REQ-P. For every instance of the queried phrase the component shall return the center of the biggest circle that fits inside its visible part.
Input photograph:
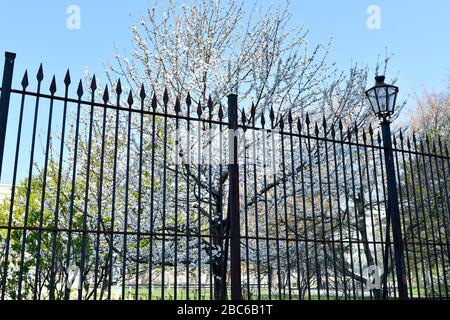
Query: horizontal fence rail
(145, 195)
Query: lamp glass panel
(373, 100)
(381, 94)
(374, 103)
(392, 92)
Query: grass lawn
(181, 294)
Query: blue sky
(416, 32)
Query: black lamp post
(382, 98)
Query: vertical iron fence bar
(387, 241)
(188, 179)
(5, 95)
(266, 208)
(227, 249)
(378, 201)
(286, 221)
(390, 243)
(338, 206)
(210, 219)
(127, 187)
(199, 199)
(402, 215)
(233, 213)
(399, 177)
(13, 188)
(330, 205)
(376, 291)
(256, 200)
(114, 187)
(142, 96)
(393, 208)
(100, 190)
(39, 77)
(328, 183)
(72, 190)
(37, 275)
(275, 200)
(164, 198)
(313, 210)
(177, 159)
(86, 194)
(322, 214)
(294, 201)
(223, 225)
(305, 218)
(342, 136)
(247, 258)
(353, 190)
(67, 82)
(152, 201)
(364, 242)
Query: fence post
(4, 101)
(393, 210)
(233, 201)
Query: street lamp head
(382, 98)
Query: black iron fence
(114, 195)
